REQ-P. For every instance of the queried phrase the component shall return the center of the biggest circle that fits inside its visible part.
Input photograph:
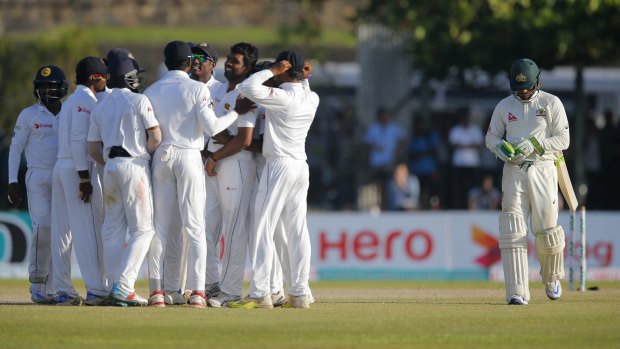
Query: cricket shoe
(222, 299)
(39, 296)
(278, 298)
(517, 300)
(250, 303)
(123, 297)
(174, 298)
(197, 300)
(96, 300)
(212, 290)
(157, 299)
(301, 301)
(554, 290)
(64, 299)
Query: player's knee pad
(550, 251)
(513, 245)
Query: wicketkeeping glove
(504, 151)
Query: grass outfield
(381, 314)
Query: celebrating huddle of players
(169, 175)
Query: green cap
(524, 73)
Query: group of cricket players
(190, 174)
(194, 174)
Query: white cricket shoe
(251, 303)
(123, 297)
(517, 300)
(301, 301)
(554, 290)
(174, 298)
(278, 299)
(197, 300)
(157, 299)
(222, 299)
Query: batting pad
(513, 244)
(550, 251)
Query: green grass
(156, 35)
(382, 314)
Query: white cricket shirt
(73, 124)
(543, 117)
(35, 134)
(290, 110)
(121, 119)
(224, 103)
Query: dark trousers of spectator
(463, 179)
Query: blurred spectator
(422, 151)
(486, 196)
(465, 140)
(403, 190)
(610, 161)
(385, 139)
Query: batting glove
(528, 146)
(504, 151)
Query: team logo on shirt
(511, 117)
(149, 109)
(227, 106)
(37, 126)
(541, 112)
(82, 110)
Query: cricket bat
(566, 187)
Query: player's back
(174, 98)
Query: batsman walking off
(536, 131)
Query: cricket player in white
(536, 131)
(229, 182)
(184, 111)
(204, 60)
(119, 122)
(36, 134)
(283, 187)
(76, 193)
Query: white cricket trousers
(228, 201)
(178, 184)
(532, 193)
(76, 223)
(128, 204)
(282, 194)
(39, 190)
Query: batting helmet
(50, 74)
(524, 74)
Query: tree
(447, 35)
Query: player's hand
(244, 105)
(210, 166)
(280, 67)
(86, 189)
(306, 71)
(15, 194)
(528, 146)
(222, 137)
(504, 151)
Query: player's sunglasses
(202, 58)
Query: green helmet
(524, 74)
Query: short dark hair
(249, 53)
(177, 65)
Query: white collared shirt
(36, 135)
(73, 124)
(225, 103)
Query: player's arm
(236, 144)
(21, 132)
(270, 97)
(94, 144)
(210, 123)
(560, 134)
(154, 138)
(496, 131)
(80, 122)
(95, 150)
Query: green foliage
(21, 57)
